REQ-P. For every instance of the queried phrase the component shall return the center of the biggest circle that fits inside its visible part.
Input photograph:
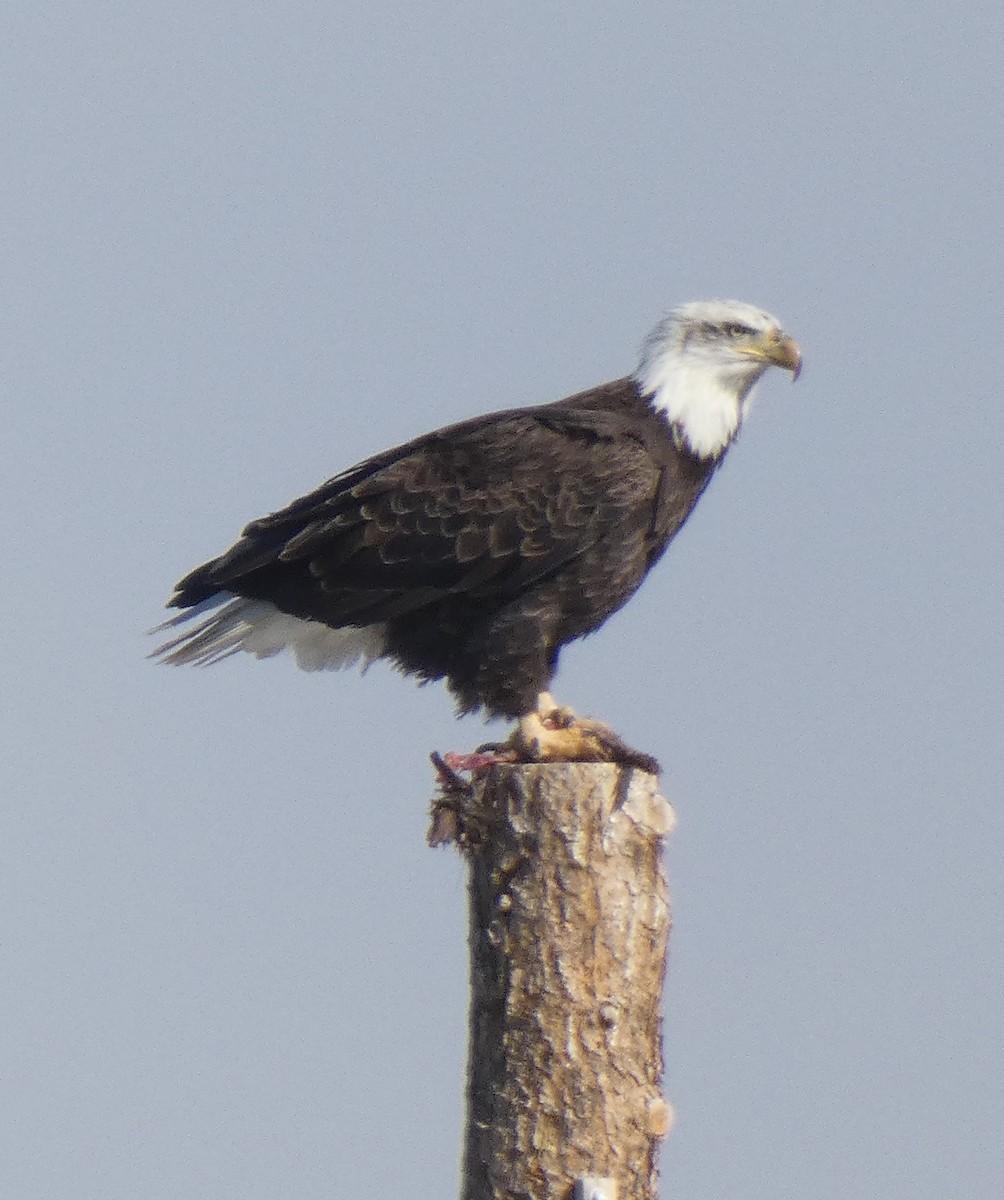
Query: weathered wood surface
(569, 929)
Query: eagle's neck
(703, 401)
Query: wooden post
(569, 928)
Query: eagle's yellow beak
(779, 350)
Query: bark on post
(569, 928)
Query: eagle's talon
(555, 734)
(553, 715)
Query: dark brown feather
(484, 546)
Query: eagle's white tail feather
(234, 624)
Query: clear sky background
(245, 246)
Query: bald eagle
(473, 554)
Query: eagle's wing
(487, 508)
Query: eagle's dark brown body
(482, 548)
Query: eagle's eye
(734, 329)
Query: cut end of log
(462, 811)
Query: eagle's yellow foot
(555, 734)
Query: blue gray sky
(245, 248)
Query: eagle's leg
(552, 733)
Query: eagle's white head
(700, 364)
